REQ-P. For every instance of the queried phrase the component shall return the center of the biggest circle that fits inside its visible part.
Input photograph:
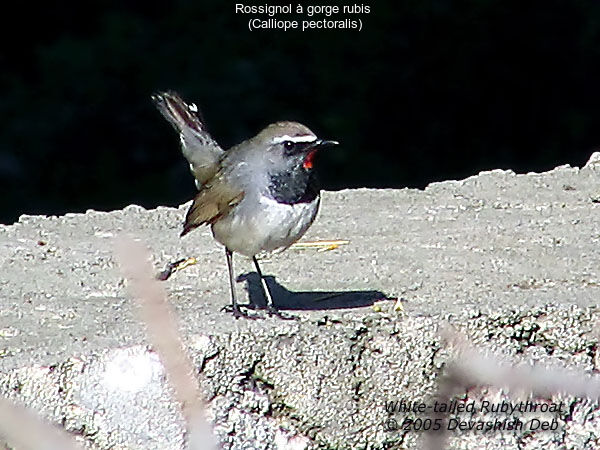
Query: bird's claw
(272, 311)
(238, 313)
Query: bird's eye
(288, 145)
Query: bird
(258, 197)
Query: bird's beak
(308, 161)
(322, 143)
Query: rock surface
(513, 261)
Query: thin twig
(23, 429)
(164, 335)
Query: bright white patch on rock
(129, 372)
(103, 234)
(192, 107)
(284, 440)
(594, 160)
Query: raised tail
(181, 115)
(199, 148)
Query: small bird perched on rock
(259, 196)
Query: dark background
(428, 90)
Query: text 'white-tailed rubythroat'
(259, 196)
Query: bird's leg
(271, 309)
(237, 312)
(270, 304)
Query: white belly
(272, 226)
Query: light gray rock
(510, 260)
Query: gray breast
(264, 225)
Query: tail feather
(181, 115)
(199, 148)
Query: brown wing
(214, 200)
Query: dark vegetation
(428, 90)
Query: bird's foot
(272, 311)
(238, 313)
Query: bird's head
(290, 145)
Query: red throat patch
(308, 161)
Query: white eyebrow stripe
(305, 138)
